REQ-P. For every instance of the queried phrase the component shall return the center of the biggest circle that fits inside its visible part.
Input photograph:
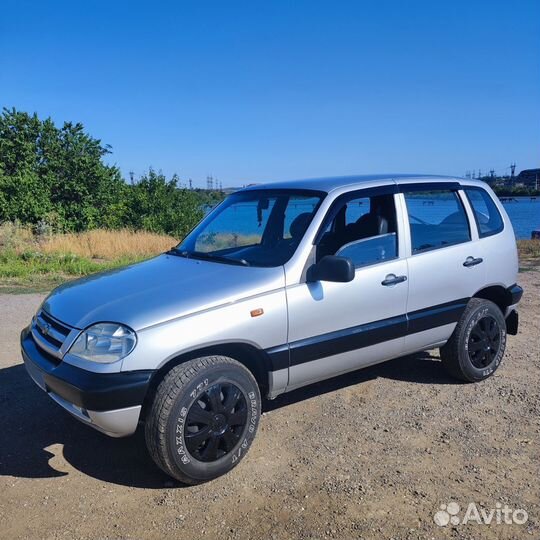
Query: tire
(203, 418)
(476, 348)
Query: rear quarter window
(488, 218)
(437, 219)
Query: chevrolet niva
(280, 286)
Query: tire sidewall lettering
(179, 436)
(179, 431)
(182, 455)
(480, 314)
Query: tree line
(55, 178)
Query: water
(524, 214)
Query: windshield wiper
(207, 257)
(177, 252)
(218, 258)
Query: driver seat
(372, 224)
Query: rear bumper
(514, 294)
(109, 402)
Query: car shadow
(31, 423)
(420, 368)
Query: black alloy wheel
(484, 342)
(215, 422)
(203, 418)
(476, 347)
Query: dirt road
(368, 455)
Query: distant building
(529, 178)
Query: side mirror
(331, 268)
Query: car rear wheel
(476, 348)
(203, 418)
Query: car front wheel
(203, 418)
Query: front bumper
(109, 402)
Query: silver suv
(280, 286)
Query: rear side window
(487, 215)
(437, 219)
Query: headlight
(104, 343)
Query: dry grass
(529, 250)
(29, 261)
(16, 237)
(40, 262)
(98, 244)
(108, 245)
(112, 245)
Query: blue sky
(250, 91)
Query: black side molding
(365, 335)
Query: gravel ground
(372, 454)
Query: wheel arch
(254, 359)
(496, 294)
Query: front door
(339, 327)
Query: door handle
(471, 261)
(392, 279)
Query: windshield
(253, 228)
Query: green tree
(23, 197)
(157, 204)
(56, 174)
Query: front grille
(49, 333)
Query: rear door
(338, 327)
(445, 265)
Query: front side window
(370, 250)
(361, 228)
(253, 228)
(487, 215)
(437, 219)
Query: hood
(157, 290)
